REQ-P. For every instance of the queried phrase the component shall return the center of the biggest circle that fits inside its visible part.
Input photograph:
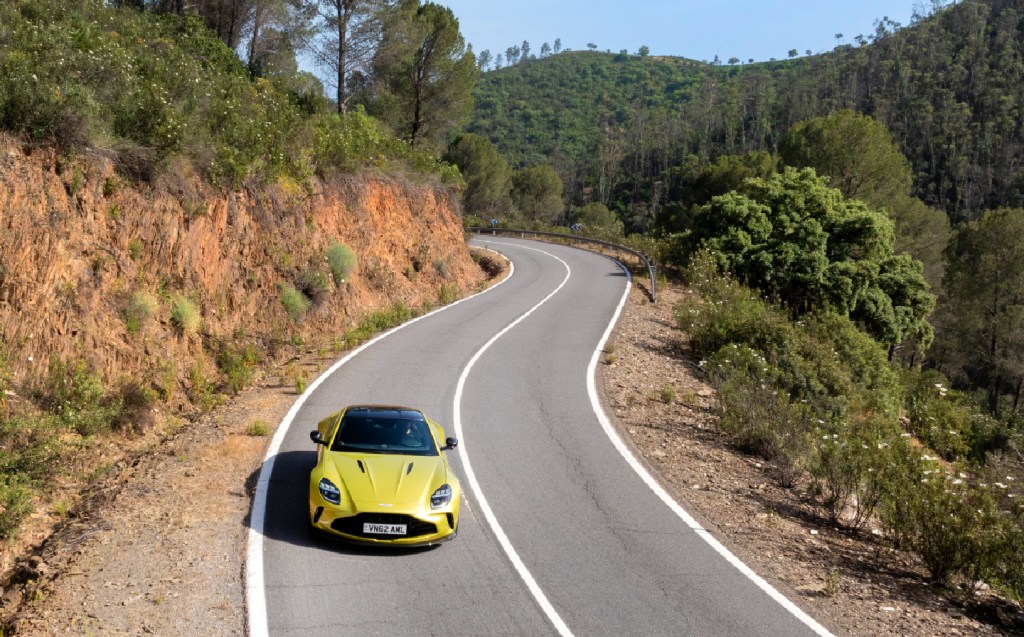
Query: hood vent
(409, 470)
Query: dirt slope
(80, 242)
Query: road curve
(559, 533)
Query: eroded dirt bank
(81, 247)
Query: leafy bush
(15, 503)
(447, 293)
(822, 359)
(793, 237)
(760, 418)
(78, 398)
(257, 428)
(342, 261)
(141, 306)
(948, 421)
(31, 445)
(295, 303)
(377, 322)
(856, 467)
(185, 314)
(238, 363)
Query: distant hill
(950, 87)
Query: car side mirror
(315, 437)
(450, 443)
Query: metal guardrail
(572, 237)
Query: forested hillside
(623, 130)
(851, 227)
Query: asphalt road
(603, 554)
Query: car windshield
(371, 433)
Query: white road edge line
(492, 520)
(658, 490)
(255, 593)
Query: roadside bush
(855, 468)
(295, 302)
(447, 293)
(342, 262)
(15, 503)
(821, 359)
(78, 398)
(238, 364)
(137, 398)
(1005, 553)
(758, 416)
(185, 315)
(29, 445)
(948, 421)
(379, 321)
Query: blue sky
(745, 29)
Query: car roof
(386, 411)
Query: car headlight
(330, 492)
(441, 497)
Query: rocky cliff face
(78, 242)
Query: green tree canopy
(424, 75)
(488, 176)
(794, 237)
(596, 216)
(982, 323)
(854, 151)
(537, 193)
(922, 232)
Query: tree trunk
(1016, 399)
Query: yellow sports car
(381, 478)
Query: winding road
(562, 532)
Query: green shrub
(342, 262)
(78, 398)
(946, 526)
(135, 249)
(447, 293)
(760, 418)
(855, 467)
(185, 314)
(15, 504)
(257, 428)
(948, 421)
(200, 390)
(667, 394)
(300, 383)
(377, 322)
(295, 303)
(238, 363)
(141, 306)
(31, 445)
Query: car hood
(389, 479)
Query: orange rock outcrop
(77, 241)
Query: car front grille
(354, 525)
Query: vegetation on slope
(624, 130)
(147, 86)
